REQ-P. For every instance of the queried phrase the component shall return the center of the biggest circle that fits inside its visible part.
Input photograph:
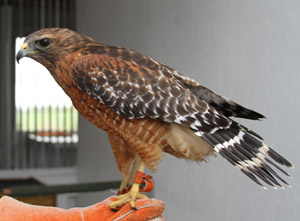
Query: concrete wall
(247, 50)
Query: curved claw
(129, 197)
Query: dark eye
(44, 42)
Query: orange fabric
(139, 177)
(146, 184)
(146, 209)
(142, 178)
(124, 190)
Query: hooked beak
(22, 52)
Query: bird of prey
(148, 108)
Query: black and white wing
(136, 86)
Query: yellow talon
(129, 197)
(132, 195)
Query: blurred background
(248, 51)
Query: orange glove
(146, 209)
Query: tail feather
(247, 153)
(251, 176)
(239, 126)
(278, 167)
(278, 158)
(267, 150)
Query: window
(46, 122)
(38, 125)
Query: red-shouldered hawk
(148, 108)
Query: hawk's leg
(124, 183)
(124, 157)
(132, 195)
(129, 175)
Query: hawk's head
(46, 46)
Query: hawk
(148, 108)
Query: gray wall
(247, 50)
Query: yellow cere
(24, 46)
